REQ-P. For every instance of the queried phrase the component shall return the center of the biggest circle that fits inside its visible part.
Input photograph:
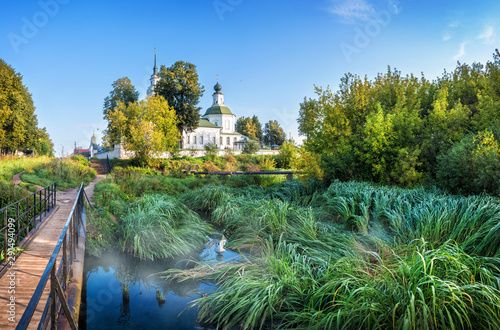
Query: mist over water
(103, 306)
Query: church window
(201, 139)
(220, 140)
(228, 140)
(194, 139)
(214, 139)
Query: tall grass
(66, 173)
(10, 165)
(355, 256)
(159, 226)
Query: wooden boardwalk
(30, 265)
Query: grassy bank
(67, 173)
(10, 166)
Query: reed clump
(159, 226)
(352, 256)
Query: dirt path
(17, 180)
(89, 190)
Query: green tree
(179, 85)
(311, 116)
(471, 166)
(43, 145)
(258, 128)
(274, 134)
(488, 116)
(250, 127)
(147, 127)
(18, 122)
(124, 92)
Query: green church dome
(218, 110)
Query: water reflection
(106, 278)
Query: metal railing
(108, 165)
(21, 219)
(58, 274)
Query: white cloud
(447, 36)
(461, 52)
(488, 35)
(350, 11)
(454, 24)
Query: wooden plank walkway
(31, 264)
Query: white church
(216, 126)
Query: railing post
(5, 236)
(65, 260)
(53, 311)
(40, 207)
(45, 204)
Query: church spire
(154, 79)
(156, 68)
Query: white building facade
(216, 126)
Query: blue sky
(268, 54)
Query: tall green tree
(180, 86)
(124, 92)
(146, 127)
(258, 128)
(18, 122)
(273, 134)
(250, 127)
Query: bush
(471, 166)
(287, 155)
(211, 149)
(80, 159)
(250, 148)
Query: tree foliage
(124, 92)
(179, 85)
(250, 127)
(399, 129)
(273, 134)
(18, 122)
(146, 127)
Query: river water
(102, 297)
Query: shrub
(250, 148)
(471, 166)
(211, 149)
(287, 155)
(81, 159)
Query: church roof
(217, 110)
(205, 123)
